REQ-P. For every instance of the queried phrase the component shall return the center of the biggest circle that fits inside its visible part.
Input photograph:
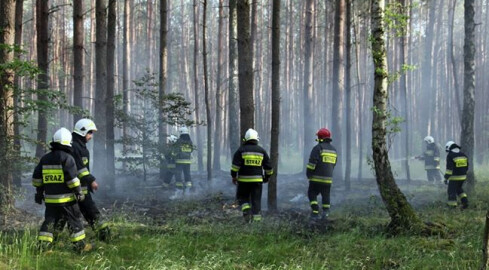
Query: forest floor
(205, 230)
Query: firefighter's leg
(312, 194)
(462, 195)
(325, 195)
(46, 233)
(188, 179)
(243, 197)
(72, 214)
(437, 176)
(256, 192)
(429, 174)
(452, 194)
(178, 177)
(94, 218)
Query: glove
(235, 181)
(266, 178)
(38, 198)
(80, 197)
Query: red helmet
(324, 133)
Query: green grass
(355, 240)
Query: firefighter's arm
(237, 163)
(313, 161)
(450, 165)
(82, 170)
(73, 182)
(37, 182)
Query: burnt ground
(215, 199)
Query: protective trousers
(92, 215)
(55, 218)
(455, 189)
(185, 169)
(314, 190)
(433, 175)
(249, 198)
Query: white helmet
(449, 145)
(83, 126)
(183, 130)
(171, 139)
(429, 139)
(251, 134)
(63, 137)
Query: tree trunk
(467, 134)
(162, 80)
(274, 140)
(78, 53)
(111, 24)
(17, 174)
(245, 64)
(126, 55)
(196, 86)
(404, 96)
(308, 74)
(42, 19)
(349, 129)
(206, 93)
(99, 147)
(338, 83)
(233, 116)
(7, 37)
(403, 217)
(485, 244)
(219, 106)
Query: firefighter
(320, 173)
(170, 156)
(431, 157)
(82, 134)
(249, 162)
(455, 174)
(184, 149)
(57, 184)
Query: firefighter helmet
(251, 134)
(172, 139)
(63, 137)
(323, 133)
(183, 130)
(450, 145)
(83, 126)
(429, 139)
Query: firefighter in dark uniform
(83, 133)
(170, 156)
(249, 162)
(56, 182)
(320, 173)
(431, 157)
(455, 174)
(183, 160)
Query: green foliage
(396, 18)
(144, 120)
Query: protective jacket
(321, 163)
(431, 157)
(457, 166)
(171, 155)
(184, 148)
(82, 159)
(56, 176)
(249, 161)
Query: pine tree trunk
(7, 37)
(245, 65)
(42, 18)
(110, 136)
(404, 97)
(78, 53)
(17, 174)
(219, 92)
(162, 80)
(403, 217)
(275, 130)
(233, 116)
(99, 147)
(349, 129)
(126, 55)
(196, 86)
(485, 244)
(467, 134)
(206, 93)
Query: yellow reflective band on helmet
(311, 166)
(75, 182)
(45, 236)
(319, 179)
(460, 162)
(328, 157)
(59, 198)
(36, 182)
(457, 177)
(314, 202)
(235, 168)
(78, 236)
